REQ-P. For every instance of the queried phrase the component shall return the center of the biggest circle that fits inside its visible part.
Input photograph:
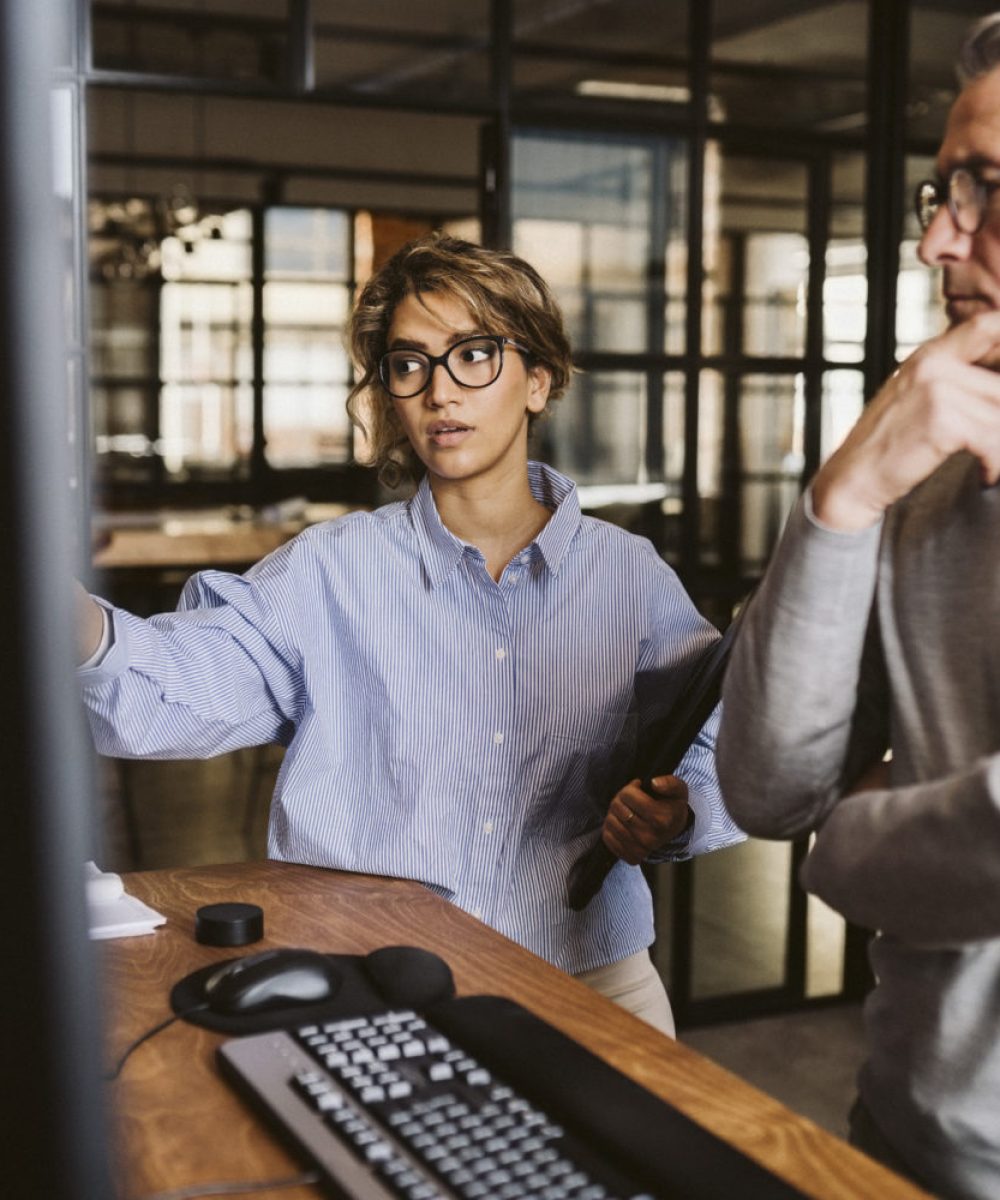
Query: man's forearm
(791, 688)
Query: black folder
(681, 726)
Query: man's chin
(960, 310)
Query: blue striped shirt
(440, 726)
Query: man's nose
(943, 241)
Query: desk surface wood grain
(176, 1123)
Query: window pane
(845, 290)
(845, 300)
(306, 425)
(673, 430)
(204, 426)
(307, 374)
(597, 432)
(206, 406)
(206, 364)
(121, 321)
(122, 418)
(710, 431)
(584, 216)
(740, 919)
(826, 933)
(791, 65)
(756, 256)
(750, 464)
(771, 432)
(777, 268)
(843, 400)
(919, 303)
(309, 243)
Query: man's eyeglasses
(474, 362)
(964, 191)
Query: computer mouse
(409, 976)
(271, 979)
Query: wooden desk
(176, 1123)
(203, 539)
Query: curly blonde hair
(503, 293)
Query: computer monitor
(53, 1140)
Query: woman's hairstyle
(504, 295)
(980, 51)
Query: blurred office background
(719, 191)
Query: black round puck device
(229, 924)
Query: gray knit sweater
(810, 700)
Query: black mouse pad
(355, 997)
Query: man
(877, 627)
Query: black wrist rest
(638, 1132)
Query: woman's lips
(448, 433)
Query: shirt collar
(441, 551)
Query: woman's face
(461, 433)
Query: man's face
(971, 261)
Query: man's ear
(539, 384)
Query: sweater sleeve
(797, 705)
(917, 862)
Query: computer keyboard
(396, 1104)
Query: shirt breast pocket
(587, 758)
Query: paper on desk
(112, 912)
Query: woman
(461, 679)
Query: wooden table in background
(176, 1122)
(202, 539)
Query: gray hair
(980, 51)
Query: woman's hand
(638, 824)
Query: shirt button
(488, 827)
(501, 653)
(498, 738)
(477, 913)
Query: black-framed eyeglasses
(474, 362)
(966, 194)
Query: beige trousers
(634, 984)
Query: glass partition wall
(718, 190)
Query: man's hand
(940, 401)
(637, 823)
